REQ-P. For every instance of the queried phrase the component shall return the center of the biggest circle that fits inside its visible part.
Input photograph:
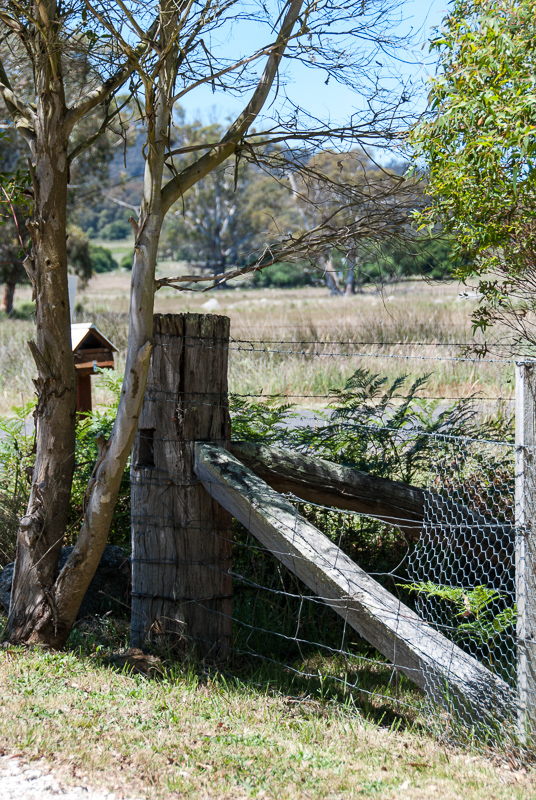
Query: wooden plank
(431, 660)
(329, 484)
(525, 554)
(480, 543)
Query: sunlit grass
(189, 733)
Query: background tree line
(217, 226)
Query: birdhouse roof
(86, 335)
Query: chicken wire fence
(461, 571)
(458, 575)
(453, 601)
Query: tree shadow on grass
(312, 681)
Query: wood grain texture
(181, 538)
(329, 484)
(431, 660)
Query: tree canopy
(478, 146)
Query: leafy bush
(23, 310)
(432, 258)
(118, 229)
(379, 427)
(383, 428)
(127, 260)
(17, 456)
(372, 425)
(92, 429)
(16, 462)
(102, 259)
(284, 275)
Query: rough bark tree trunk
(181, 538)
(9, 295)
(33, 614)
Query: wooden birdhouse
(91, 351)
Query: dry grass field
(347, 332)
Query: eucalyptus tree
(159, 53)
(478, 146)
(350, 192)
(217, 227)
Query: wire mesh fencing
(457, 575)
(411, 620)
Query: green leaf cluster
(478, 143)
(482, 624)
(373, 424)
(17, 456)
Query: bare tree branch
(21, 114)
(121, 203)
(191, 174)
(98, 95)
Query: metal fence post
(525, 559)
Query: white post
(525, 489)
(72, 281)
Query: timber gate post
(181, 537)
(525, 490)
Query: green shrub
(102, 259)
(284, 275)
(17, 458)
(379, 427)
(430, 257)
(16, 461)
(91, 428)
(23, 310)
(127, 261)
(118, 229)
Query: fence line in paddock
(459, 593)
(250, 346)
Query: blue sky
(306, 87)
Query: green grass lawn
(184, 733)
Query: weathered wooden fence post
(526, 545)
(181, 537)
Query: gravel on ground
(20, 781)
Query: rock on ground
(109, 589)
